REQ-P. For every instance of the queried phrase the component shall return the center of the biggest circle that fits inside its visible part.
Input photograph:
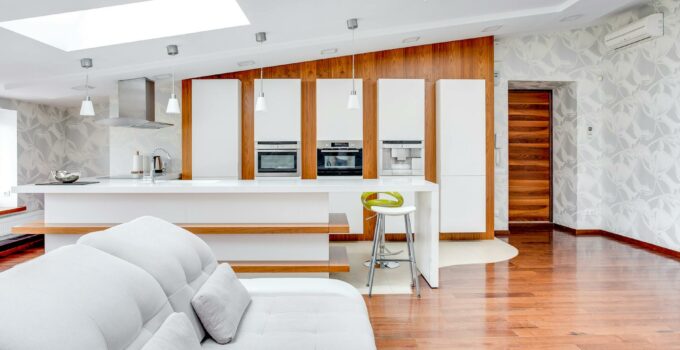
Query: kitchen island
(215, 203)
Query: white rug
(397, 281)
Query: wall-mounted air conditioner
(646, 28)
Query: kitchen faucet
(152, 173)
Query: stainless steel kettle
(158, 164)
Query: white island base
(249, 202)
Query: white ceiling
(297, 30)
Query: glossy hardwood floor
(561, 292)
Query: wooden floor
(561, 292)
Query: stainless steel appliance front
(401, 158)
(277, 158)
(339, 158)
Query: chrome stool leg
(370, 263)
(412, 253)
(374, 257)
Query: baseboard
(502, 232)
(620, 238)
(529, 226)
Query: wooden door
(530, 156)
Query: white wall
(8, 157)
(627, 177)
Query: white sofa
(114, 288)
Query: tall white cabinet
(334, 122)
(216, 128)
(461, 154)
(401, 117)
(283, 117)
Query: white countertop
(400, 184)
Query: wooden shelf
(338, 262)
(337, 223)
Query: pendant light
(353, 100)
(173, 102)
(261, 103)
(86, 107)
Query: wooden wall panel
(466, 59)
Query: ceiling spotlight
(571, 18)
(246, 63)
(492, 28)
(329, 51)
(412, 39)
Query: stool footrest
(389, 260)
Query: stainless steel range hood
(136, 105)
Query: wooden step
(338, 262)
(337, 223)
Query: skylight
(78, 30)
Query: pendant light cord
(261, 69)
(87, 83)
(354, 88)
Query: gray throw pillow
(220, 304)
(176, 333)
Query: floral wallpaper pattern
(626, 167)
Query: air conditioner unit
(646, 28)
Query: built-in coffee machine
(401, 158)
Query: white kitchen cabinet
(350, 204)
(401, 109)
(461, 127)
(282, 119)
(216, 128)
(462, 203)
(461, 154)
(333, 120)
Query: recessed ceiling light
(492, 28)
(83, 87)
(162, 76)
(329, 51)
(104, 26)
(412, 39)
(571, 18)
(246, 63)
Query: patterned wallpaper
(626, 169)
(41, 145)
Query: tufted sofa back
(79, 298)
(176, 258)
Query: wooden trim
(338, 223)
(186, 130)
(530, 226)
(338, 262)
(502, 232)
(12, 210)
(462, 236)
(621, 238)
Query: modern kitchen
(304, 175)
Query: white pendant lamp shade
(353, 100)
(260, 103)
(173, 105)
(86, 108)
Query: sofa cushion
(220, 304)
(79, 298)
(176, 333)
(176, 258)
(301, 314)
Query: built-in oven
(277, 158)
(339, 158)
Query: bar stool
(378, 239)
(397, 200)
